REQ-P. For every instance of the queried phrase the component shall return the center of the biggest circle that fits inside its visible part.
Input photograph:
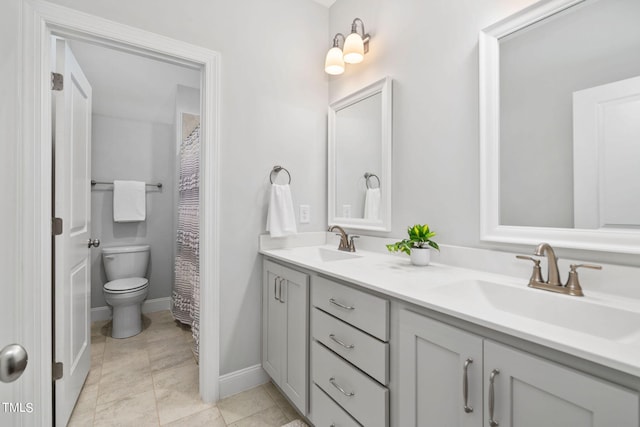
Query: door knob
(94, 242)
(13, 362)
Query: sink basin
(316, 254)
(575, 313)
(326, 255)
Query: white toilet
(127, 287)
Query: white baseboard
(151, 305)
(244, 379)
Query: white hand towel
(129, 201)
(281, 221)
(372, 203)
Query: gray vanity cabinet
(532, 392)
(524, 390)
(285, 331)
(349, 356)
(432, 372)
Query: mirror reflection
(359, 160)
(570, 119)
(358, 148)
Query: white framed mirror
(560, 126)
(359, 158)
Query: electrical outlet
(305, 214)
(346, 211)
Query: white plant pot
(420, 256)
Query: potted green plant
(418, 245)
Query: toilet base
(127, 321)
(127, 312)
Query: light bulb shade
(334, 63)
(353, 49)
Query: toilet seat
(122, 286)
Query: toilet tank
(121, 262)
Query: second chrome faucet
(553, 282)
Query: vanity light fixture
(334, 63)
(356, 45)
(354, 48)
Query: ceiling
(131, 86)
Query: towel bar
(94, 182)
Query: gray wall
(142, 151)
(430, 49)
(273, 111)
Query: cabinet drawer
(364, 351)
(369, 402)
(358, 308)
(326, 412)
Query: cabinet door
(272, 321)
(295, 294)
(533, 392)
(432, 371)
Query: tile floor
(152, 380)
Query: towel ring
(368, 176)
(276, 170)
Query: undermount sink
(575, 313)
(326, 255)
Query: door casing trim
(40, 20)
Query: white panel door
(437, 362)
(72, 150)
(532, 392)
(606, 122)
(9, 416)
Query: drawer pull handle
(275, 288)
(347, 346)
(492, 396)
(346, 307)
(282, 279)
(465, 385)
(346, 393)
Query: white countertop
(394, 276)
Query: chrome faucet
(346, 243)
(553, 283)
(553, 277)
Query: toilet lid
(126, 285)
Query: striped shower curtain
(186, 292)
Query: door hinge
(56, 226)
(57, 370)
(57, 81)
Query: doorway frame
(41, 20)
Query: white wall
(142, 151)
(273, 111)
